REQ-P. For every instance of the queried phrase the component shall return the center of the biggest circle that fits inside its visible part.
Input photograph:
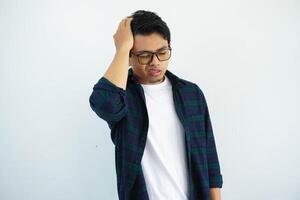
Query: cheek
(140, 70)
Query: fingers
(128, 21)
(125, 22)
(121, 24)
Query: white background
(244, 55)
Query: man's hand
(123, 37)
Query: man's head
(151, 34)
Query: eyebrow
(145, 51)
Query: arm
(214, 174)
(108, 97)
(118, 69)
(108, 101)
(215, 177)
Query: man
(160, 125)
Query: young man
(160, 125)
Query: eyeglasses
(146, 57)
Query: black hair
(147, 22)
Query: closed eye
(145, 55)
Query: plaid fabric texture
(125, 112)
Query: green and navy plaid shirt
(125, 112)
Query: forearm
(215, 193)
(118, 69)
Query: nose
(155, 60)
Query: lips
(154, 72)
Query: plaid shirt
(125, 112)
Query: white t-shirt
(164, 160)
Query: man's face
(148, 73)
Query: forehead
(151, 42)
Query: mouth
(154, 72)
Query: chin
(159, 79)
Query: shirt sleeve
(108, 101)
(215, 176)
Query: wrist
(122, 50)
